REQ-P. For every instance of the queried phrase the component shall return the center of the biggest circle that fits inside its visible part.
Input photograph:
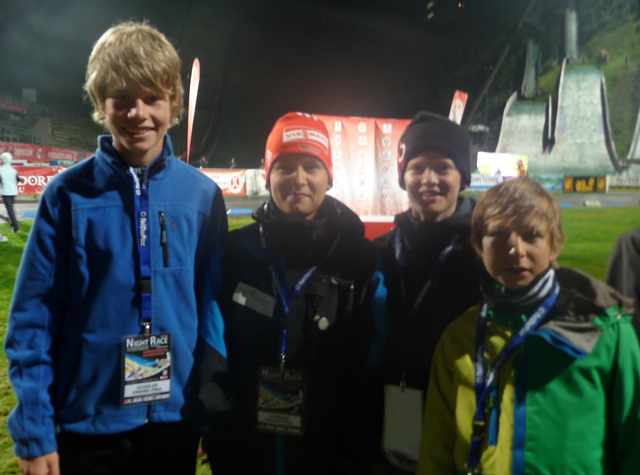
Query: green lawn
(590, 236)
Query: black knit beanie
(432, 132)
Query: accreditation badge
(281, 398)
(402, 432)
(146, 369)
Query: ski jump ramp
(582, 141)
(523, 127)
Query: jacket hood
(6, 158)
(587, 295)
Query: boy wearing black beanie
(430, 273)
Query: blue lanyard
(289, 295)
(485, 384)
(141, 204)
(412, 311)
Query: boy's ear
(464, 186)
(554, 253)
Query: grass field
(590, 235)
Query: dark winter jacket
(455, 289)
(333, 355)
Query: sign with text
(34, 179)
(585, 184)
(364, 155)
(623, 183)
(38, 153)
(231, 181)
(13, 107)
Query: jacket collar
(107, 151)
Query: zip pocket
(163, 239)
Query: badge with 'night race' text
(281, 396)
(146, 369)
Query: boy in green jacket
(543, 376)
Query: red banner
(13, 107)
(38, 153)
(364, 155)
(34, 179)
(231, 182)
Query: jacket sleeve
(211, 363)
(625, 402)
(39, 302)
(439, 428)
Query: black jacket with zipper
(338, 429)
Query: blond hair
(514, 203)
(138, 53)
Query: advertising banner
(364, 154)
(13, 107)
(480, 182)
(231, 182)
(457, 106)
(38, 154)
(551, 182)
(504, 164)
(34, 179)
(623, 183)
(585, 184)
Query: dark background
(263, 58)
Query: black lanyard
(412, 311)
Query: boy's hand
(44, 465)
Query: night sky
(261, 59)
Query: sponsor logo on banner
(362, 154)
(384, 195)
(34, 179)
(362, 196)
(362, 127)
(304, 134)
(386, 141)
(387, 128)
(337, 182)
(338, 140)
(402, 148)
(362, 169)
(362, 140)
(384, 181)
(336, 168)
(337, 126)
(386, 155)
(385, 169)
(362, 183)
(231, 182)
(337, 154)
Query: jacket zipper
(163, 239)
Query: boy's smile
(433, 184)
(514, 255)
(138, 121)
(298, 184)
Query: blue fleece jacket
(78, 294)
